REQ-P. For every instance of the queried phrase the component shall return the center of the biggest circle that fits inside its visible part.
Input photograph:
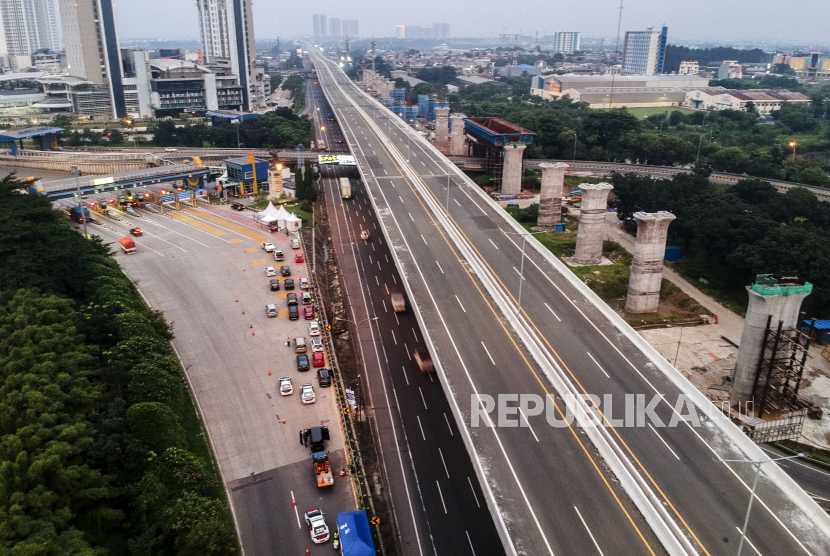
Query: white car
(307, 393)
(316, 344)
(317, 527)
(171, 149)
(313, 329)
(270, 271)
(268, 246)
(303, 283)
(286, 389)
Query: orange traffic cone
(243, 311)
(253, 333)
(269, 373)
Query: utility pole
(373, 54)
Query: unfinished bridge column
(591, 231)
(770, 302)
(511, 175)
(458, 145)
(550, 201)
(647, 268)
(442, 125)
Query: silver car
(316, 344)
(307, 393)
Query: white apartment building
(25, 27)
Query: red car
(136, 231)
(298, 258)
(318, 360)
(309, 313)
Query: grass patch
(609, 282)
(573, 182)
(649, 111)
(712, 279)
(296, 210)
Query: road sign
(375, 520)
(328, 327)
(346, 410)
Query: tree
(115, 136)
(155, 425)
(443, 75)
(299, 183)
(783, 69)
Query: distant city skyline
(709, 20)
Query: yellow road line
(521, 354)
(608, 423)
(196, 224)
(241, 230)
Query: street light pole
(793, 145)
(448, 194)
(699, 144)
(522, 265)
(757, 465)
(77, 173)
(574, 146)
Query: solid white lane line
(297, 513)
(474, 491)
(749, 543)
(425, 241)
(404, 375)
(554, 314)
(494, 245)
(597, 364)
(488, 353)
(663, 441)
(447, 471)
(459, 303)
(528, 424)
(415, 334)
(589, 531)
(422, 397)
(423, 436)
(442, 496)
(448, 423)
(439, 267)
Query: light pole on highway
(77, 173)
(522, 266)
(357, 357)
(793, 145)
(448, 195)
(574, 146)
(757, 465)
(699, 144)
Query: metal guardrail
(85, 155)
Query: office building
(815, 67)
(136, 83)
(644, 52)
(26, 26)
(177, 85)
(321, 26)
(688, 67)
(730, 69)
(213, 29)
(227, 33)
(566, 41)
(350, 28)
(92, 53)
(552, 87)
(400, 31)
(334, 27)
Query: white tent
(269, 214)
(293, 222)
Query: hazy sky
(701, 19)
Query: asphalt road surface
(438, 503)
(554, 494)
(203, 268)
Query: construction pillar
(591, 230)
(647, 268)
(766, 297)
(442, 125)
(550, 201)
(458, 146)
(511, 175)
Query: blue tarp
(355, 536)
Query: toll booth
(503, 145)
(241, 176)
(47, 135)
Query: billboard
(341, 159)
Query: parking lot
(205, 268)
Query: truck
(355, 535)
(398, 302)
(424, 361)
(128, 245)
(345, 188)
(322, 469)
(76, 212)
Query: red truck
(128, 245)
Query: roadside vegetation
(730, 234)
(728, 141)
(101, 449)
